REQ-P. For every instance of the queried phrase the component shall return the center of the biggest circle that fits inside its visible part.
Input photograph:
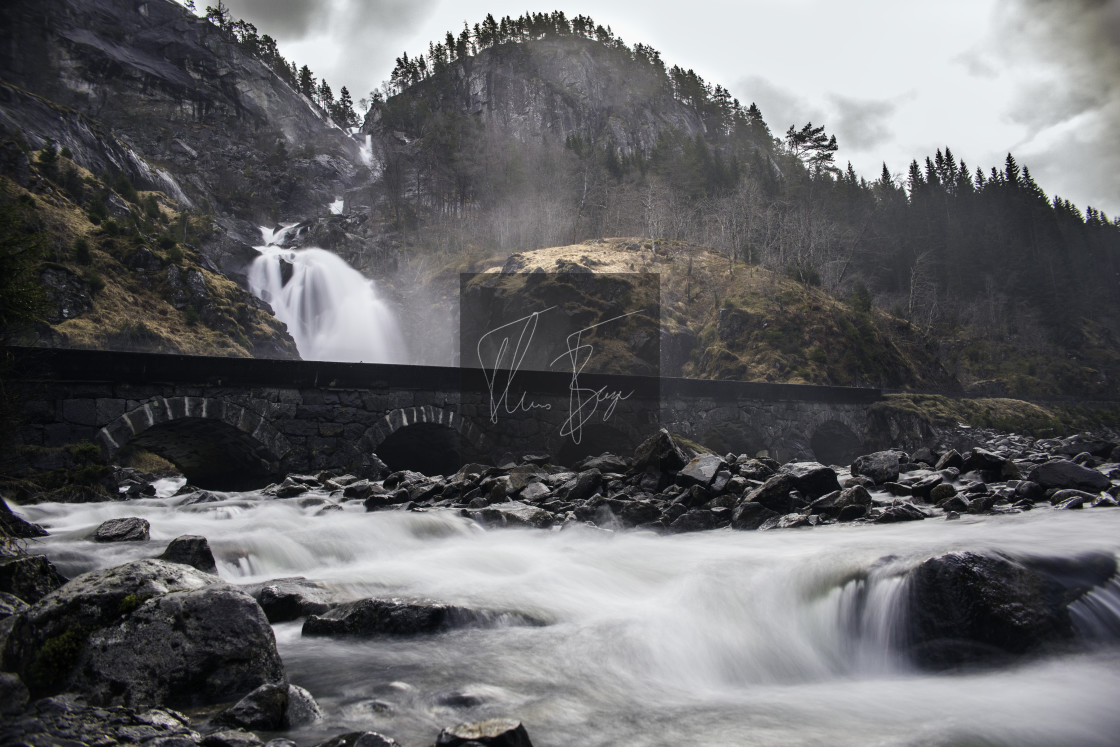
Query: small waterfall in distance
(332, 311)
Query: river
(711, 638)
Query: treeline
(264, 47)
(945, 247)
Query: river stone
(302, 708)
(231, 738)
(262, 709)
(966, 608)
(774, 494)
(811, 478)
(286, 599)
(29, 577)
(1062, 473)
(16, 526)
(881, 467)
(1070, 499)
(360, 739)
(192, 550)
(749, 516)
(659, 453)
(924, 487)
(1085, 443)
(369, 617)
(701, 470)
(639, 512)
(951, 459)
(696, 520)
(836, 501)
(607, 462)
(495, 732)
(10, 605)
(583, 486)
(901, 512)
(127, 529)
(983, 460)
(67, 721)
(147, 632)
(924, 455)
(534, 491)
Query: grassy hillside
(118, 268)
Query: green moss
(131, 603)
(56, 657)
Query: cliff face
(554, 87)
(144, 88)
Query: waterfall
(332, 311)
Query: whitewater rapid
(711, 638)
(332, 311)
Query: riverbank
(403, 609)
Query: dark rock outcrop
(145, 633)
(192, 550)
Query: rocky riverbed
(639, 598)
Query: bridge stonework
(244, 420)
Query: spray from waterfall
(332, 311)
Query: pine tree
(306, 82)
(344, 110)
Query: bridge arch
(216, 443)
(425, 438)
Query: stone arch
(216, 443)
(425, 438)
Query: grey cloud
(283, 19)
(1079, 40)
(861, 124)
(779, 107)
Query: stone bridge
(235, 421)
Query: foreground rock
(17, 527)
(497, 732)
(29, 577)
(272, 707)
(191, 550)
(968, 608)
(145, 633)
(370, 617)
(65, 720)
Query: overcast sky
(893, 80)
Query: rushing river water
(712, 638)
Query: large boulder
(17, 527)
(811, 478)
(880, 467)
(286, 599)
(192, 550)
(29, 577)
(968, 608)
(774, 494)
(659, 453)
(145, 633)
(1062, 473)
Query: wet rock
(696, 520)
(951, 459)
(774, 494)
(66, 720)
(639, 512)
(192, 550)
(811, 478)
(659, 453)
(851, 513)
(286, 599)
(263, 709)
(495, 732)
(701, 470)
(147, 632)
(13, 694)
(925, 456)
(583, 486)
(302, 708)
(967, 608)
(10, 605)
(128, 529)
(1027, 490)
(369, 617)
(836, 501)
(1071, 499)
(748, 516)
(983, 460)
(17, 527)
(29, 577)
(880, 467)
(1062, 473)
(901, 512)
(607, 463)
(535, 491)
(514, 514)
(923, 488)
(232, 738)
(940, 493)
(1084, 442)
(360, 739)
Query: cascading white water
(332, 311)
(712, 638)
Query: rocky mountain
(170, 101)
